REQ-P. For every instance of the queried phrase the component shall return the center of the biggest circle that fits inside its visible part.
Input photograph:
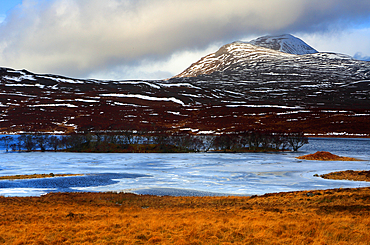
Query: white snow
(287, 43)
(192, 95)
(262, 106)
(20, 78)
(332, 55)
(125, 104)
(19, 94)
(145, 97)
(179, 85)
(87, 101)
(189, 129)
(175, 113)
(140, 82)
(52, 105)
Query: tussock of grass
(326, 156)
(348, 175)
(36, 176)
(339, 216)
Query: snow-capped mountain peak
(274, 58)
(284, 43)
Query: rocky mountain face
(272, 83)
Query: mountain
(240, 87)
(284, 43)
(254, 61)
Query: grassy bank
(326, 156)
(36, 176)
(348, 175)
(339, 216)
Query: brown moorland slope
(227, 102)
(340, 216)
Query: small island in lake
(348, 175)
(326, 156)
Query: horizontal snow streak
(145, 97)
(87, 101)
(272, 106)
(178, 85)
(146, 83)
(21, 78)
(63, 80)
(51, 105)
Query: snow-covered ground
(184, 174)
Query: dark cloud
(81, 37)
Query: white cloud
(86, 38)
(159, 69)
(349, 41)
(2, 18)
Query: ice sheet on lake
(193, 174)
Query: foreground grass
(339, 216)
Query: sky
(157, 39)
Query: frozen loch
(191, 174)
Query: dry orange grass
(319, 217)
(35, 176)
(348, 175)
(326, 156)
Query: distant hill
(281, 58)
(275, 83)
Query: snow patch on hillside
(284, 43)
(145, 97)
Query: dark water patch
(64, 184)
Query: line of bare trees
(233, 142)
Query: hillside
(240, 87)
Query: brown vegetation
(339, 216)
(348, 175)
(36, 176)
(326, 156)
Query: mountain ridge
(239, 88)
(248, 57)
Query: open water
(189, 174)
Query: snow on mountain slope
(284, 43)
(229, 55)
(252, 61)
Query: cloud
(354, 42)
(84, 37)
(359, 56)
